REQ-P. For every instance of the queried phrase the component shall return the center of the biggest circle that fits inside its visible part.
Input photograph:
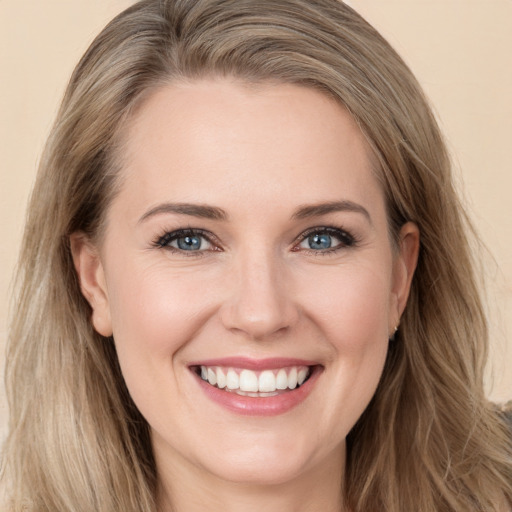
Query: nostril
(259, 319)
(258, 304)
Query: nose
(260, 304)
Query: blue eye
(326, 239)
(319, 241)
(184, 240)
(188, 243)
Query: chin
(263, 461)
(262, 471)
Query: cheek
(352, 312)
(154, 313)
(351, 304)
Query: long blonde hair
(428, 441)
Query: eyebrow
(194, 210)
(215, 213)
(316, 210)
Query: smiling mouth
(245, 382)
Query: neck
(184, 487)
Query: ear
(404, 266)
(91, 276)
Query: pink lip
(258, 406)
(270, 363)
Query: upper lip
(248, 363)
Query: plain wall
(459, 49)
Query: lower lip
(260, 406)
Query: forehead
(204, 140)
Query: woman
(256, 290)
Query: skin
(256, 290)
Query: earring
(393, 334)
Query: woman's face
(248, 277)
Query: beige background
(459, 49)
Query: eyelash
(164, 241)
(347, 240)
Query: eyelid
(163, 241)
(346, 238)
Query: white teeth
(248, 381)
(292, 378)
(232, 381)
(221, 378)
(301, 377)
(212, 377)
(267, 381)
(281, 379)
